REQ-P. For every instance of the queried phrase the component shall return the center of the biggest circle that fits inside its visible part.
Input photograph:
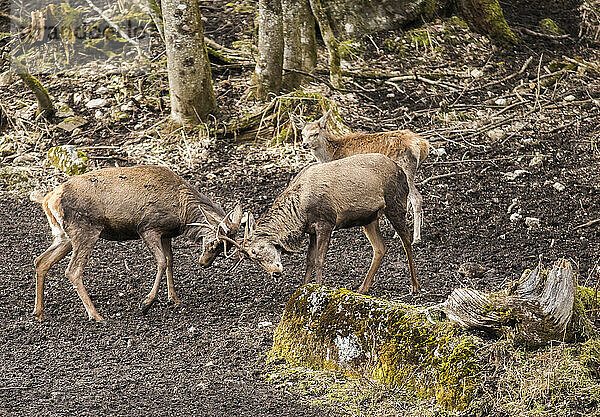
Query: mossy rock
(68, 159)
(397, 344)
(549, 27)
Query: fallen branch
(521, 71)
(590, 223)
(437, 177)
(543, 35)
(227, 55)
(416, 77)
(45, 105)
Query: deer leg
(153, 241)
(167, 250)
(416, 201)
(323, 235)
(379, 249)
(397, 218)
(58, 250)
(83, 243)
(310, 257)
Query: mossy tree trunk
(45, 104)
(269, 64)
(299, 42)
(486, 16)
(190, 80)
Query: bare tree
(287, 31)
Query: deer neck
(283, 224)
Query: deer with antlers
(151, 203)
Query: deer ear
(250, 227)
(234, 218)
(323, 120)
(210, 217)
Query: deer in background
(353, 191)
(404, 147)
(150, 203)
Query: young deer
(353, 191)
(143, 202)
(406, 148)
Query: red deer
(353, 191)
(406, 148)
(150, 203)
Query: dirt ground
(207, 356)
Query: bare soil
(207, 356)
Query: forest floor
(517, 136)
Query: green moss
(337, 329)
(492, 23)
(68, 159)
(590, 356)
(350, 48)
(549, 27)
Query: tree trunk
(335, 71)
(269, 64)
(190, 81)
(486, 17)
(286, 31)
(539, 309)
(299, 50)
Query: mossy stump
(394, 343)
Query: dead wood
(533, 312)
(45, 104)
(587, 224)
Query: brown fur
(344, 193)
(144, 202)
(405, 147)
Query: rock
(264, 324)
(515, 217)
(500, 102)
(95, 103)
(532, 222)
(476, 73)
(570, 97)
(77, 97)
(515, 174)
(559, 187)
(496, 134)
(72, 123)
(536, 161)
(472, 270)
(439, 151)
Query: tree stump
(535, 311)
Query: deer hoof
(39, 316)
(174, 301)
(145, 305)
